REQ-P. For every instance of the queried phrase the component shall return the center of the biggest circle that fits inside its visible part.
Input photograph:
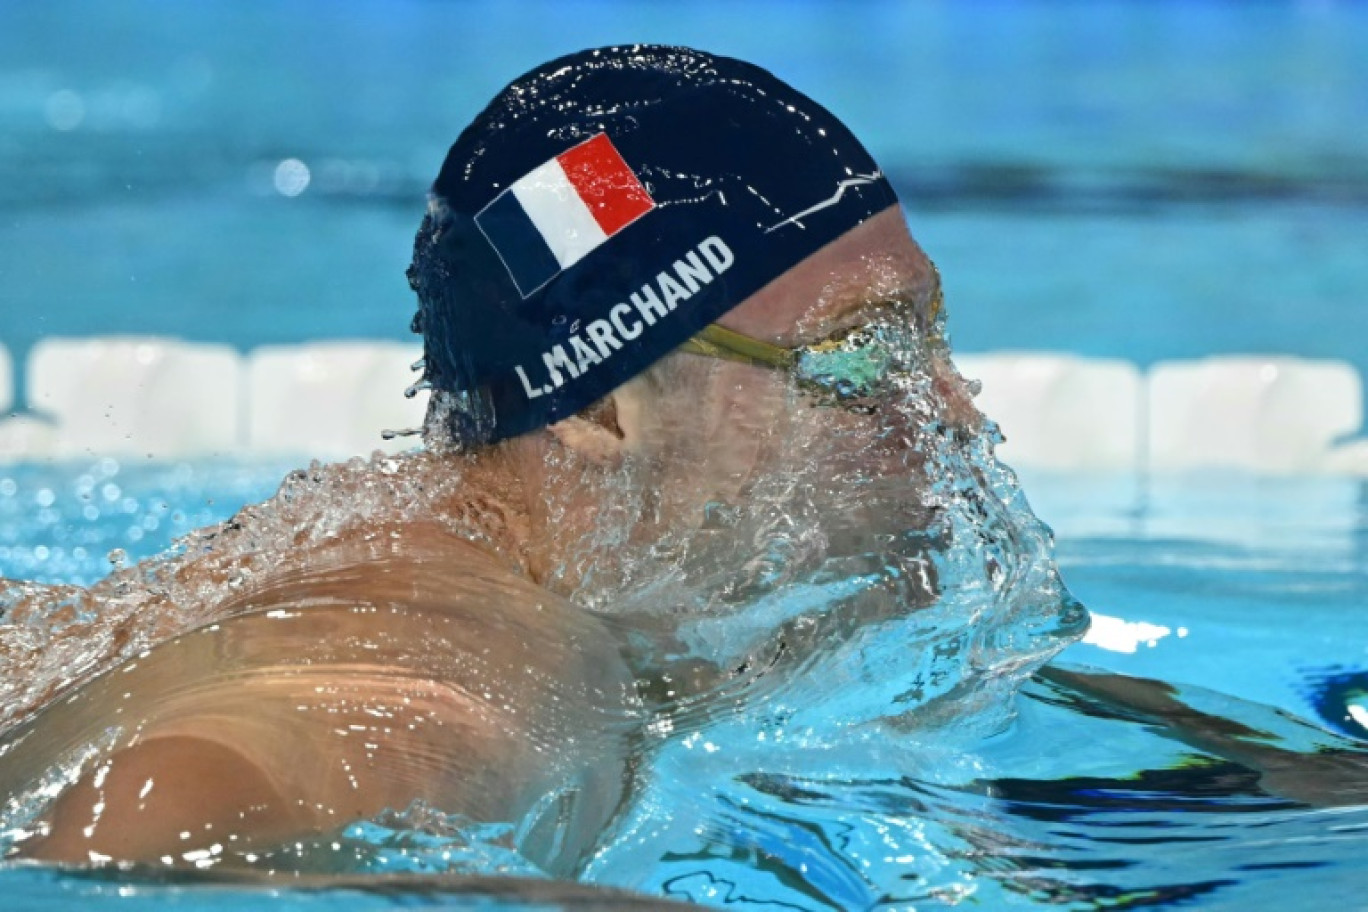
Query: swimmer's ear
(593, 433)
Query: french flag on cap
(559, 212)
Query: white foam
(331, 400)
(1061, 412)
(1270, 415)
(139, 396)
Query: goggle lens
(849, 366)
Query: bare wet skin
(333, 699)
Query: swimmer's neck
(530, 503)
(524, 507)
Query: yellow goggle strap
(719, 342)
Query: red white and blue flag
(559, 212)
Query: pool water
(71, 524)
(1136, 180)
(1248, 587)
(1144, 181)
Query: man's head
(608, 206)
(585, 230)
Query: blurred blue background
(1145, 180)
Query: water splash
(883, 546)
(54, 638)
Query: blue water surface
(1143, 180)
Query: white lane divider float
(331, 400)
(1269, 415)
(136, 396)
(1061, 413)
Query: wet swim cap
(607, 206)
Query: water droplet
(291, 177)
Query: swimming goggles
(848, 366)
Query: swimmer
(668, 304)
(646, 280)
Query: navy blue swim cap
(607, 206)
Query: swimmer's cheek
(161, 799)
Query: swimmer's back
(347, 690)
